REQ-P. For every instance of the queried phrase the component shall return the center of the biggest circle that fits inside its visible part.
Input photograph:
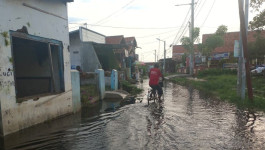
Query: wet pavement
(184, 120)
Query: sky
(148, 20)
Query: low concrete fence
(75, 80)
(89, 78)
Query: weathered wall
(82, 51)
(75, 77)
(75, 46)
(16, 116)
(89, 58)
(91, 36)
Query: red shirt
(154, 75)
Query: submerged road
(186, 120)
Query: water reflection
(184, 120)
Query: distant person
(78, 68)
(154, 76)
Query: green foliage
(10, 59)
(213, 41)
(28, 24)
(224, 87)
(257, 48)
(5, 35)
(216, 72)
(187, 43)
(88, 93)
(221, 30)
(258, 22)
(130, 88)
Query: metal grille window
(38, 66)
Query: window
(38, 66)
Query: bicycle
(152, 95)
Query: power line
(102, 20)
(200, 9)
(155, 34)
(209, 13)
(120, 27)
(174, 41)
(182, 26)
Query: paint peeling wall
(83, 54)
(16, 14)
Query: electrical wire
(155, 34)
(209, 13)
(134, 28)
(102, 20)
(185, 20)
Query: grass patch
(130, 88)
(223, 85)
(169, 74)
(88, 93)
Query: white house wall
(14, 15)
(75, 46)
(89, 36)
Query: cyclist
(154, 75)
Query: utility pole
(164, 62)
(245, 48)
(191, 35)
(155, 55)
(241, 68)
(191, 38)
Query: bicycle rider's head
(156, 65)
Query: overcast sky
(150, 19)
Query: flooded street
(185, 121)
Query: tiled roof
(131, 41)
(119, 39)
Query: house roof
(77, 31)
(119, 39)
(131, 41)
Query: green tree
(187, 43)
(258, 22)
(221, 30)
(213, 41)
(257, 48)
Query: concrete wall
(75, 78)
(89, 58)
(101, 83)
(108, 81)
(89, 78)
(91, 36)
(83, 54)
(75, 46)
(16, 116)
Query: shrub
(132, 89)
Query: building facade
(82, 50)
(35, 79)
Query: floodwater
(184, 120)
